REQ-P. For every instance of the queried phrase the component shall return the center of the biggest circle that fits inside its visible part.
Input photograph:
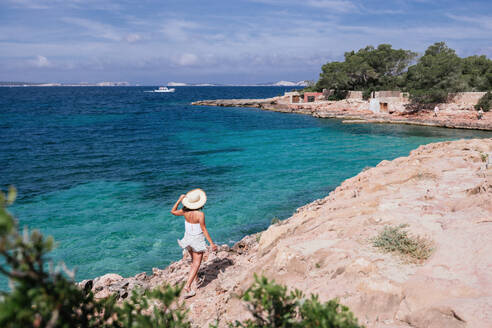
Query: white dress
(193, 239)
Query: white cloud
(29, 4)
(40, 62)
(133, 37)
(336, 5)
(95, 29)
(483, 21)
(107, 5)
(187, 60)
(178, 29)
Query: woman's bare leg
(195, 265)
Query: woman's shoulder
(194, 215)
(199, 216)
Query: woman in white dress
(195, 232)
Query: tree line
(428, 78)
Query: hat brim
(198, 204)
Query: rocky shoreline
(355, 111)
(441, 191)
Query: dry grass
(395, 239)
(424, 176)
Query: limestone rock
(106, 280)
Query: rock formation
(442, 192)
(357, 111)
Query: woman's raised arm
(175, 210)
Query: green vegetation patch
(485, 103)
(395, 239)
(271, 305)
(484, 157)
(275, 220)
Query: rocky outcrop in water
(442, 192)
(237, 102)
(357, 111)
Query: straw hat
(195, 199)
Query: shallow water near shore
(100, 168)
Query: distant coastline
(169, 84)
(82, 84)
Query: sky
(220, 41)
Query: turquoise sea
(99, 168)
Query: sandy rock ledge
(442, 191)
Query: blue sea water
(99, 168)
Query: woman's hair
(186, 209)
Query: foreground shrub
(48, 297)
(155, 308)
(395, 239)
(485, 103)
(272, 306)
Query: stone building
(388, 101)
(313, 96)
(294, 97)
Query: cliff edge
(442, 192)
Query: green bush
(47, 297)
(395, 239)
(338, 95)
(272, 306)
(485, 103)
(428, 96)
(366, 94)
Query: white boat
(165, 89)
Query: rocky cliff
(442, 192)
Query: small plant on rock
(396, 240)
(484, 157)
